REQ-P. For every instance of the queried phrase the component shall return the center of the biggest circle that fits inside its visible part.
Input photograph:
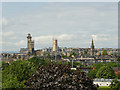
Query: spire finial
(92, 40)
(92, 44)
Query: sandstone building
(30, 46)
(30, 43)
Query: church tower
(55, 45)
(92, 48)
(30, 43)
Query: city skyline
(73, 24)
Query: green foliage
(64, 56)
(73, 53)
(34, 54)
(92, 73)
(16, 73)
(4, 65)
(105, 72)
(47, 55)
(115, 84)
(11, 81)
(75, 64)
(97, 66)
(111, 54)
(104, 88)
(85, 52)
(105, 52)
(118, 76)
(118, 59)
(113, 64)
(37, 61)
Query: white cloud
(65, 37)
(4, 21)
(0, 33)
(8, 33)
(102, 37)
(48, 38)
(42, 38)
(21, 43)
(6, 43)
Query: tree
(113, 64)
(105, 72)
(36, 61)
(11, 81)
(73, 53)
(4, 65)
(118, 59)
(75, 64)
(115, 84)
(16, 73)
(59, 76)
(64, 56)
(105, 52)
(118, 76)
(92, 74)
(97, 66)
(85, 52)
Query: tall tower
(92, 48)
(55, 45)
(28, 40)
(30, 43)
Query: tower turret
(30, 43)
(28, 40)
(55, 45)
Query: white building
(103, 82)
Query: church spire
(92, 48)
(92, 43)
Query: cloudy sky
(73, 24)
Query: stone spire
(92, 48)
(92, 45)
